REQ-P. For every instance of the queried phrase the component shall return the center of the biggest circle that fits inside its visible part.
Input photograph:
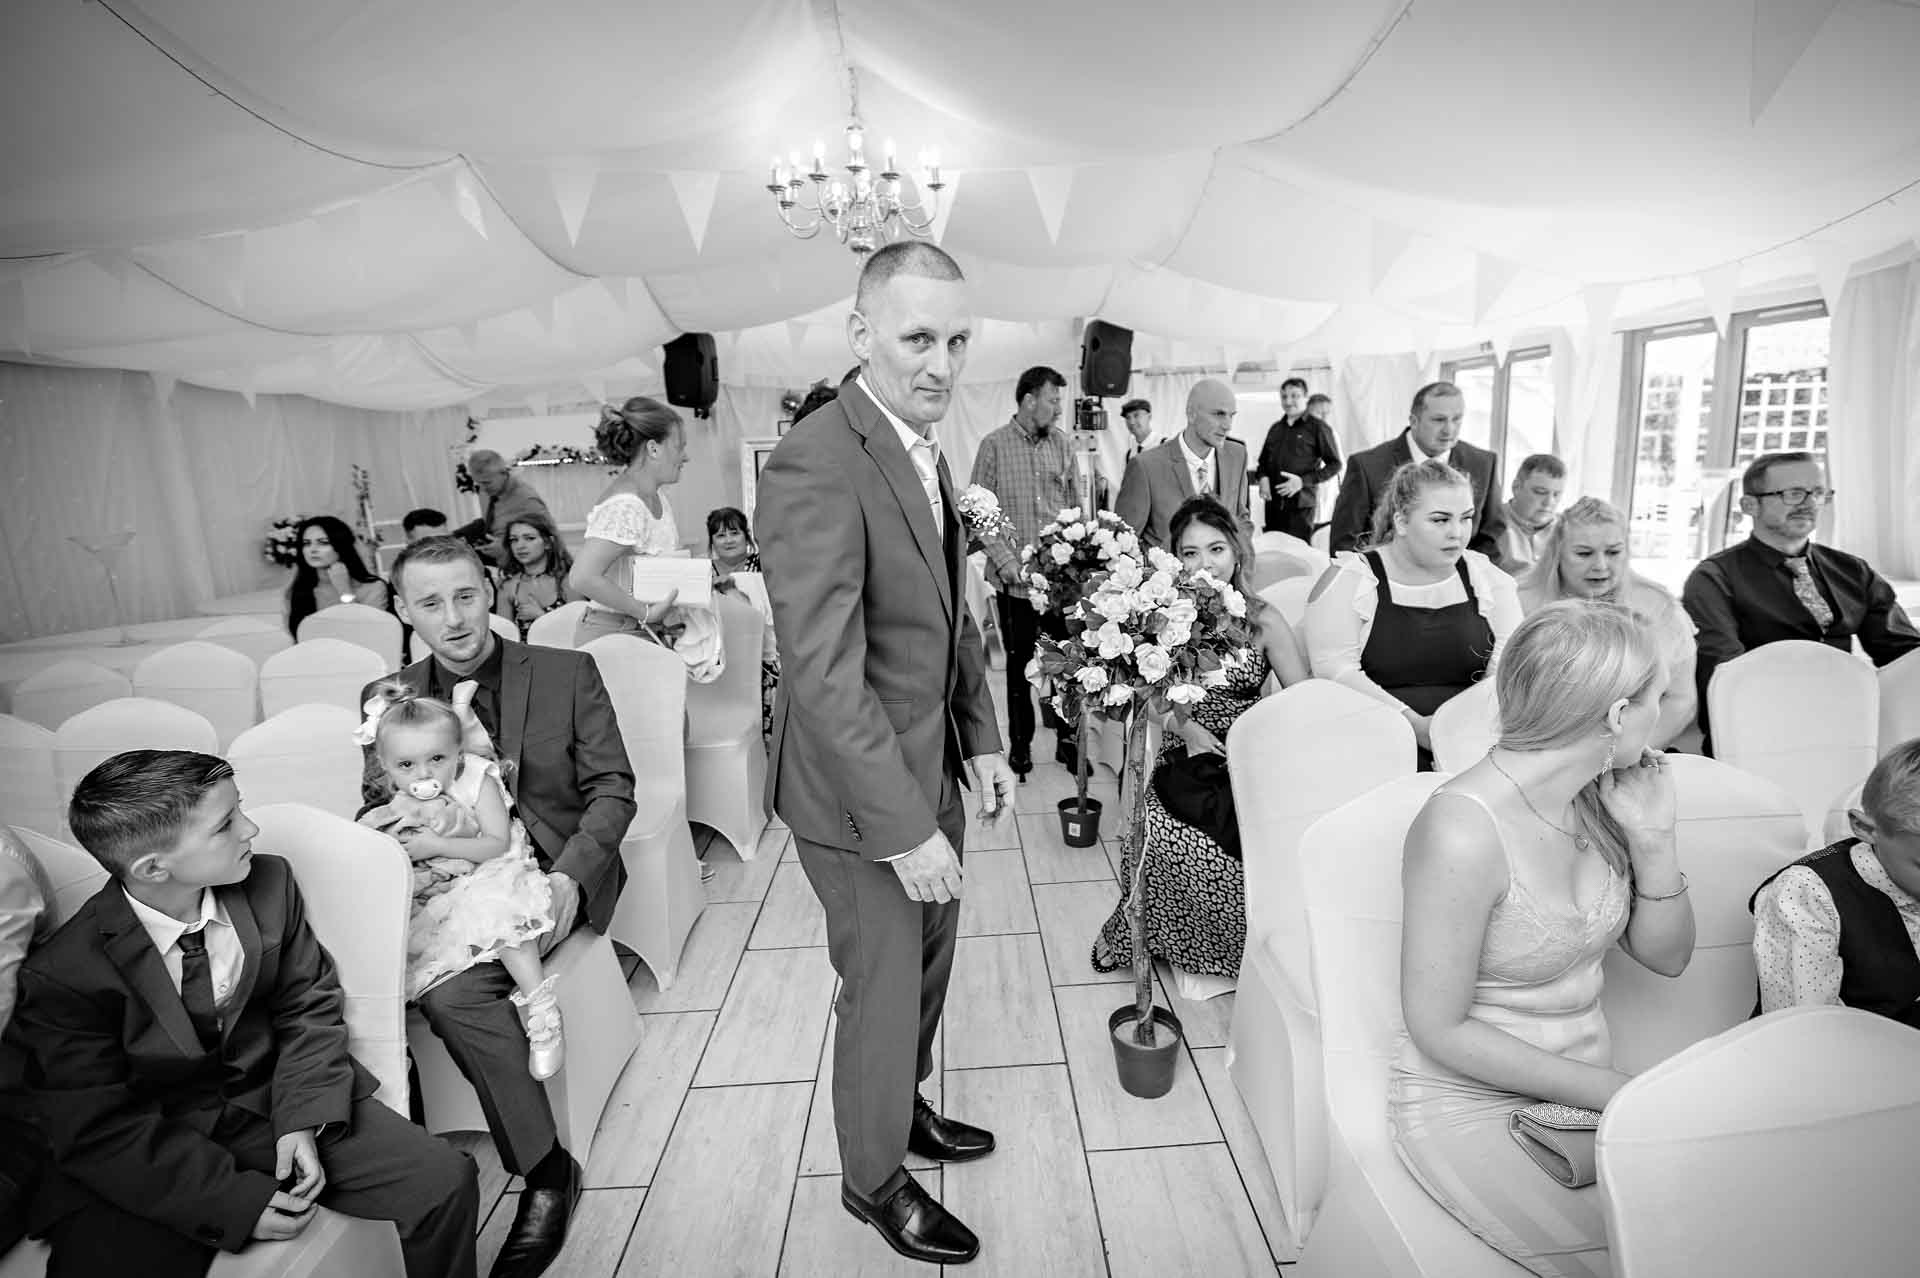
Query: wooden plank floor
(705, 1163)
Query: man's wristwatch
(347, 598)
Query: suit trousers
(1295, 521)
(1020, 626)
(894, 956)
(488, 1044)
(378, 1166)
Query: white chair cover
(416, 650)
(30, 794)
(1899, 702)
(1294, 757)
(327, 672)
(1783, 1147)
(726, 757)
(1838, 826)
(305, 754)
(371, 628)
(1801, 714)
(210, 679)
(72, 873)
(1290, 597)
(254, 637)
(1279, 556)
(54, 694)
(663, 897)
(1465, 728)
(1733, 829)
(331, 1246)
(131, 723)
(555, 629)
(358, 887)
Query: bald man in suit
(1200, 459)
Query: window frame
(1502, 391)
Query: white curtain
(1873, 406)
(197, 479)
(1586, 414)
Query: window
(1509, 406)
(1681, 448)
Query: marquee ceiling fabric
(405, 206)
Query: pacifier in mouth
(425, 788)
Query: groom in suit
(1200, 459)
(1433, 431)
(883, 698)
(554, 728)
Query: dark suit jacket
(883, 686)
(128, 1096)
(572, 785)
(1369, 470)
(1157, 483)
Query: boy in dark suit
(188, 1056)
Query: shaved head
(1210, 410)
(1209, 394)
(914, 258)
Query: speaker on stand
(692, 371)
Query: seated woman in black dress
(534, 581)
(1418, 618)
(330, 572)
(1194, 889)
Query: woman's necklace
(1580, 841)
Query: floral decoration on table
(980, 512)
(280, 548)
(560, 455)
(462, 478)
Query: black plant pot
(1080, 826)
(1145, 1071)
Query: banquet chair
(331, 1246)
(357, 884)
(29, 793)
(555, 629)
(603, 1032)
(54, 694)
(663, 897)
(1465, 728)
(1838, 826)
(254, 637)
(72, 872)
(130, 723)
(1800, 713)
(1290, 597)
(372, 628)
(1294, 757)
(1899, 702)
(417, 651)
(1782, 1147)
(207, 678)
(726, 757)
(319, 672)
(1279, 556)
(305, 754)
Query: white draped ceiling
(404, 206)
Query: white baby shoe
(546, 1041)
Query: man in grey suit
(1433, 430)
(1200, 459)
(883, 698)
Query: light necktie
(925, 455)
(1203, 475)
(1808, 592)
(196, 988)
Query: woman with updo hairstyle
(632, 517)
(1519, 875)
(1418, 618)
(1587, 556)
(330, 572)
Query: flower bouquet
(1147, 638)
(280, 548)
(980, 512)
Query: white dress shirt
(1796, 932)
(225, 957)
(923, 451)
(1200, 468)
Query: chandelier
(865, 209)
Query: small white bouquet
(985, 521)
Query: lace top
(624, 519)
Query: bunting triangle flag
(1782, 30)
(463, 191)
(1831, 265)
(943, 213)
(1426, 335)
(1720, 286)
(618, 288)
(1602, 300)
(1052, 187)
(696, 192)
(573, 192)
(1388, 245)
(227, 256)
(1491, 278)
(163, 384)
(1500, 340)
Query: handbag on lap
(1559, 1138)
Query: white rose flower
(1152, 662)
(1062, 552)
(1069, 515)
(1026, 554)
(1038, 580)
(1176, 634)
(1114, 605)
(1092, 678)
(1113, 641)
(1074, 532)
(1235, 605)
(1128, 543)
(1161, 560)
(1182, 612)
(1118, 695)
(1125, 575)
(1186, 694)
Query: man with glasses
(1777, 584)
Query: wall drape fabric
(1873, 412)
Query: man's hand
(296, 1154)
(284, 1218)
(1291, 484)
(566, 909)
(931, 872)
(1266, 489)
(995, 782)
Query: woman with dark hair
(330, 572)
(730, 544)
(1194, 889)
(534, 582)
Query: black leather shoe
(1021, 762)
(539, 1229)
(944, 1139)
(914, 1224)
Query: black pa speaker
(692, 370)
(1106, 359)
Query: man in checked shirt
(1028, 464)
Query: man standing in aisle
(1200, 459)
(883, 699)
(1029, 466)
(508, 498)
(1433, 431)
(1299, 455)
(1138, 415)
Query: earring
(1607, 766)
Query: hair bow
(374, 707)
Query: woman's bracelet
(1668, 896)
